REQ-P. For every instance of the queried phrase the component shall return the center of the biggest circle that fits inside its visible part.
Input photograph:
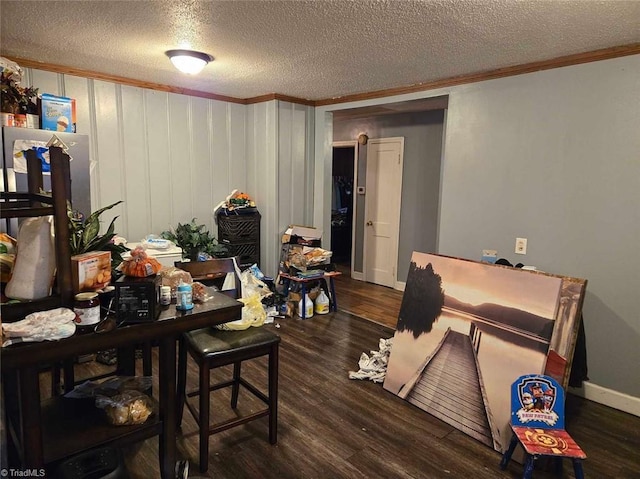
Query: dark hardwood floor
(333, 427)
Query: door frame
(352, 144)
(394, 139)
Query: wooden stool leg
(577, 469)
(273, 394)
(506, 457)
(204, 416)
(235, 388)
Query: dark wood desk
(58, 427)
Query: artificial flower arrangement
(236, 203)
(15, 98)
(238, 199)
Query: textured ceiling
(311, 49)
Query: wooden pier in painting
(450, 387)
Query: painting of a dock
(465, 331)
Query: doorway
(382, 210)
(421, 124)
(342, 206)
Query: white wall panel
(159, 160)
(262, 177)
(220, 155)
(202, 162)
(136, 163)
(109, 155)
(237, 131)
(295, 165)
(78, 88)
(287, 203)
(46, 82)
(181, 166)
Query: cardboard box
(57, 113)
(302, 235)
(91, 271)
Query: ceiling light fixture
(189, 61)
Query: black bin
(101, 463)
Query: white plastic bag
(35, 263)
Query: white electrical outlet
(521, 245)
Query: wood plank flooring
(333, 427)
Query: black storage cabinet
(241, 234)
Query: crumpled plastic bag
(251, 285)
(253, 314)
(374, 367)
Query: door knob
(369, 223)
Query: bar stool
(211, 348)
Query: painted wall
(169, 157)
(552, 156)
(172, 157)
(423, 135)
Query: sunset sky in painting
(477, 283)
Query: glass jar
(87, 308)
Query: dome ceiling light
(189, 61)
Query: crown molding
(559, 62)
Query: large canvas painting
(467, 329)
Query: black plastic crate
(245, 251)
(239, 227)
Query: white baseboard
(608, 397)
(400, 285)
(357, 275)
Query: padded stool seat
(218, 344)
(211, 348)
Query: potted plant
(84, 237)
(196, 242)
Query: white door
(382, 210)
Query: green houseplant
(196, 241)
(84, 235)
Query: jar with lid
(165, 295)
(87, 308)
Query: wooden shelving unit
(33, 203)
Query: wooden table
(59, 427)
(333, 302)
